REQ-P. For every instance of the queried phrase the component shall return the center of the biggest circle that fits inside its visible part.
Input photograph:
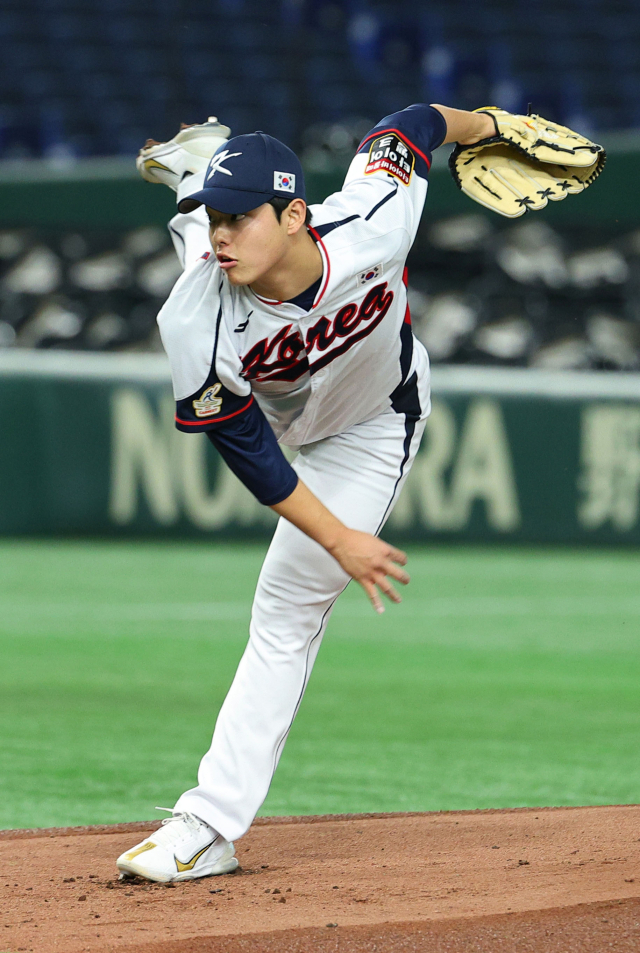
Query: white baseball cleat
(184, 848)
(187, 153)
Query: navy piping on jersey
(375, 208)
(406, 349)
(217, 334)
(322, 230)
(179, 236)
(405, 400)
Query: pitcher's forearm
(304, 510)
(465, 127)
(364, 557)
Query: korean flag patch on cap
(284, 181)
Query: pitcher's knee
(288, 632)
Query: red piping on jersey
(405, 282)
(201, 423)
(382, 132)
(326, 256)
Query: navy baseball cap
(246, 172)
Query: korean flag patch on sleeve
(284, 181)
(388, 153)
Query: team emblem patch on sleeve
(284, 181)
(390, 154)
(208, 404)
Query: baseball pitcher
(290, 326)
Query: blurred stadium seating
(527, 294)
(87, 79)
(80, 80)
(516, 296)
(92, 290)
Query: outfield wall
(88, 447)
(108, 193)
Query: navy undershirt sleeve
(249, 447)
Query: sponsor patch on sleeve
(388, 153)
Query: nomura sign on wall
(89, 446)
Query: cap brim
(227, 201)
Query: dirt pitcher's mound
(549, 880)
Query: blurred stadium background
(82, 87)
(509, 676)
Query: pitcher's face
(248, 246)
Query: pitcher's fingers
(374, 596)
(391, 569)
(383, 583)
(398, 556)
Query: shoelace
(191, 821)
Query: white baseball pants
(358, 476)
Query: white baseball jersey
(313, 373)
(346, 370)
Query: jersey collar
(326, 274)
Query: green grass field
(507, 677)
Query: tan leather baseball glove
(528, 162)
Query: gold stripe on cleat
(191, 864)
(154, 164)
(139, 850)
